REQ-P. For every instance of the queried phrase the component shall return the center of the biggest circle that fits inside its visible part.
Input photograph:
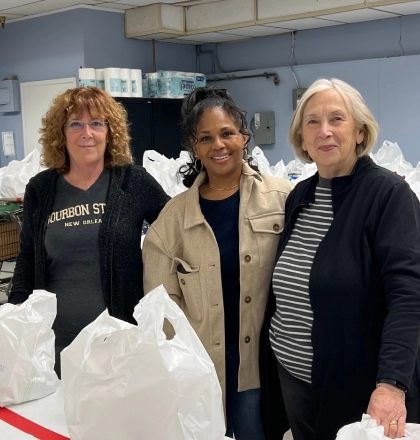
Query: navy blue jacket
(364, 289)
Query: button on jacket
(180, 251)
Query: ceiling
(15, 10)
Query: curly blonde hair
(99, 105)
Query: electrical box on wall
(297, 95)
(263, 128)
(9, 96)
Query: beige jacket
(181, 240)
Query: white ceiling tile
(305, 23)
(256, 31)
(213, 37)
(18, 9)
(7, 4)
(145, 2)
(402, 8)
(10, 17)
(116, 6)
(196, 2)
(211, 16)
(358, 16)
(156, 36)
(267, 9)
(178, 41)
(42, 6)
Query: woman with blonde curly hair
(84, 215)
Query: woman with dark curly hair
(83, 216)
(213, 248)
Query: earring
(195, 165)
(246, 152)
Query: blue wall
(105, 45)
(380, 58)
(358, 41)
(368, 55)
(47, 47)
(55, 46)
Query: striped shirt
(291, 325)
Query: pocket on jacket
(267, 229)
(189, 283)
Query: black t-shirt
(223, 217)
(72, 261)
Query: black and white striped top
(291, 325)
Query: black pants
(298, 401)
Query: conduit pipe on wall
(276, 79)
(154, 55)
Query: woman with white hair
(346, 326)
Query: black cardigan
(133, 196)
(364, 289)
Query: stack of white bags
(120, 381)
(15, 176)
(389, 156)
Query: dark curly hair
(194, 105)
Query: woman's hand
(387, 406)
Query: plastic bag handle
(150, 314)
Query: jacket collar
(193, 214)
(340, 186)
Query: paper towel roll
(87, 77)
(200, 80)
(112, 81)
(100, 78)
(145, 85)
(175, 84)
(153, 84)
(125, 82)
(136, 83)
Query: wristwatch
(394, 383)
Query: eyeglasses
(78, 126)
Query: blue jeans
(243, 412)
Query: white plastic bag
(388, 153)
(165, 170)
(262, 161)
(279, 170)
(27, 353)
(367, 429)
(126, 382)
(17, 174)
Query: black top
(75, 276)
(365, 293)
(223, 218)
(133, 195)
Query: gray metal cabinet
(9, 96)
